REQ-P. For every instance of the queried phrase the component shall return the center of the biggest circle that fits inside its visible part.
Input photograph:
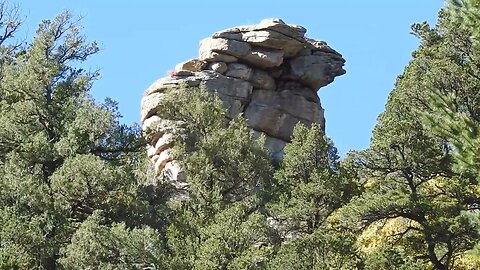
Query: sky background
(141, 40)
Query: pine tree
(456, 114)
(311, 186)
(64, 157)
(220, 225)
(413, 199)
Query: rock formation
(270, 72)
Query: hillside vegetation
(77, 190)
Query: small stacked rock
(270, 72)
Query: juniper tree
(310, 186)
(63, 156)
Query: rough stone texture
(219, 67)
(268, 72)
(191, 65)
(239, 71)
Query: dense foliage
(68, 169)
(421, 169)
(77, 192)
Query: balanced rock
(268, 72)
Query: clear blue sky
(141, 40)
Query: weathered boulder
(239, 71)
(211, 56)
(225, 46)
(315, 71)
(191, 65)
(270, 73)
(219, 67)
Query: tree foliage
(63, 156)
(76, 190)
(425, 206)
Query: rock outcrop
(270, 72)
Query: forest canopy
(77, 190)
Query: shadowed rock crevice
(270, 72)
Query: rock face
(270, 72)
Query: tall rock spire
(270, 72)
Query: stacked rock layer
(270, 72)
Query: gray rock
(239, 71)
(272, 121)
(219, 67)
(262, 80)
(276, 113)
(290, 30)
(289, 102)
(211, 56)
(299, 89)
(274, 40)
(232, 87)
(315, 71)
(264, 58)
(277, 25)
(274, 145)
(226, 46)
(233, 105)
(269, 73)
(173, 170)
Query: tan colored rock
(173, 170)
(154, 128)
(168, 83)
(157, 86)
(150, 105)
(269, 73)
(225, 46)
(274, 25)
(149, 125)
(164, 142)
(191, 65)
(151, 151)
(163, 158)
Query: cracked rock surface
(270, 72)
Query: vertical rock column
(270, 72)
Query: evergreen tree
(64, 157)
(220, 225)
(311, 186)
(456, 113)
(412, 195)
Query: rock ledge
(270, 72)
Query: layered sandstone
(270, 72)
